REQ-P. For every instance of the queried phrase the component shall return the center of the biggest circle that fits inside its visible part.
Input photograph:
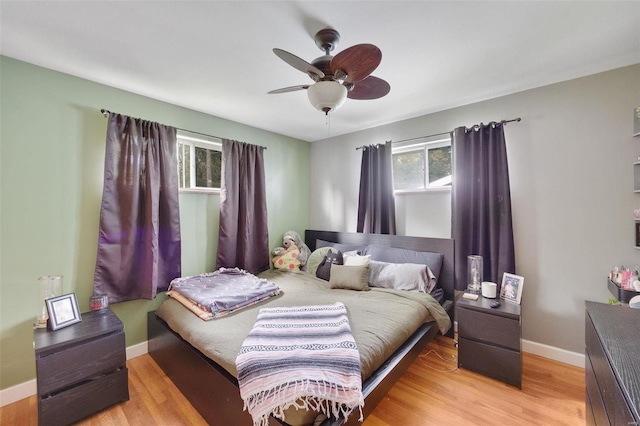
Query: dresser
(612, 364)
(489, 339)
(81, 369)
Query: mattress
(381, 319)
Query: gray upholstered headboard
(446, 281)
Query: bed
(212, 387)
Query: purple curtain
(376, 205)
(481, 202)
(139, 240)
(244, 239)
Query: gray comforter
(381, 319)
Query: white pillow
(401, 276)
(351, 260)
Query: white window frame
(193, 142)
(425, 144)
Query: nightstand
(489, 339)
(81, 369)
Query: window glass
(208, 168)
(408, 170)
(199, 164)
(440, 165)
(184, 165)
(422, 165)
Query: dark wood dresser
(612, 370)
(489, 339)
(81, 369)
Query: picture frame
(511, 288)
(636, 121)
(63, 311)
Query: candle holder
(98, 302)
(48, 286)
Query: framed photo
(636, 121)
(63, 311)
(511, 288)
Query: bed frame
(214, 392)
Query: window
(422, 165)
(199, 164)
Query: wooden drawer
(613, 399)
(596, 413)
(493, 329)
(499, 363)
(83, 400)
(80, 362)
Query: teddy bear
(293, 247)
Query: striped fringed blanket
(302, 356)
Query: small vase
(48, 286)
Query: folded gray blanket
(224, 290)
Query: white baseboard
(551, 352)
(137, 350)
(27, 389)
(18, 392)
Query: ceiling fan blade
(298, 63)
(289, 89)
(357, 61)
(369, 88)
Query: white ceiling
(216, 56)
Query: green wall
(52, 142)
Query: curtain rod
(517, 119)
(106, 113)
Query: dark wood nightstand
(81, 369)
(489, 339)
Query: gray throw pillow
(349, 277)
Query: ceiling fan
(345, 75)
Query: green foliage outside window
(408, 170)
(439, 163)
(208, 168)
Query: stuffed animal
(292, 238)
(287, 259)
(331, 258)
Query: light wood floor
(429, 393)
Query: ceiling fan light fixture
(327, 95)
(336, 78)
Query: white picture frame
(63, 311)
(511, 288)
